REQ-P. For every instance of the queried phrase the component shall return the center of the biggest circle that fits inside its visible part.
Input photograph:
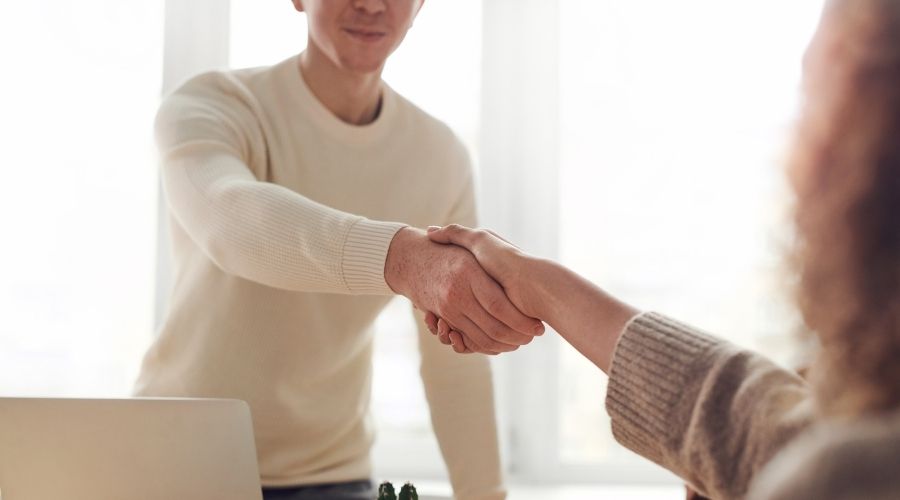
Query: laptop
(127, 449)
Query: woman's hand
(587, 317)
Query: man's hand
(501, 260)
(447, 280)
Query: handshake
(478, 291)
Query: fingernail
(432, 229)
(539, 329)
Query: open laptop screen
(136, 449)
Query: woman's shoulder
(837, 460)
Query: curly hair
(845, 167)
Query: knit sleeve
(207, 135)
(706, 410)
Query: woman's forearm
(587, 317)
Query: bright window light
(675, 117)
(78, 201)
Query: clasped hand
(468, 283)
(446, 281)
(501, 260)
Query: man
(279, 181)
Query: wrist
(543, 300)
(397, 263)
(585, 315)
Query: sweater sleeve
(249, 228)
(460, 394)
(706, 410)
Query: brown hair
(846, 171)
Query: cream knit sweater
(279, 238)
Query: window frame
(196, 39)
(520, 156)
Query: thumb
(440, 234)
(454, 234)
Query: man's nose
(370, 6)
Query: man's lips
(365, 35)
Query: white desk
(429, 490)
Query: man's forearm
(268, 234)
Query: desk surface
(431, 490)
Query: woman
(727, 420)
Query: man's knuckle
(494, 305)
(460, 267)
(500, 335)
(445, 297)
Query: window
(638, 141)
(674, 120)
(78, 201)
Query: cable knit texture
(710, 412)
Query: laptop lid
(127, 449)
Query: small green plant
(386, 491)
(407, 492)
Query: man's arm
(269, 234)
(208, 137)
(272, 235)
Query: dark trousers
(354, 490)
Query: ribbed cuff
(364, 253)
(654, 368)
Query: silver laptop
(127, 449)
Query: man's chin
(364, 64)
(364, 68)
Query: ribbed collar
(356, 135)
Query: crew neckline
(301, 94)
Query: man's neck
(353, 98)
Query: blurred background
(640, 142)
